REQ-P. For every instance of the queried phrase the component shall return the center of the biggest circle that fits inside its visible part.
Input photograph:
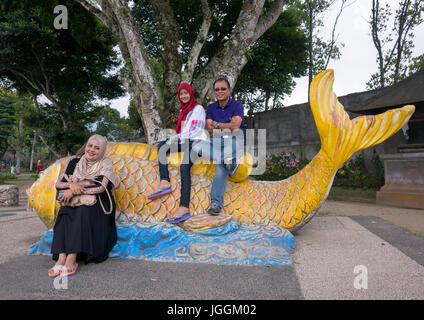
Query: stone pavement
(336, 257)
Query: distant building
(10, 158)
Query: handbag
(88, 199)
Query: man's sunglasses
(222, 89)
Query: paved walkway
(336, 257)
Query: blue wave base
(232, 244)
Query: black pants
(163, 150)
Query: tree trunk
(31, 161)
(267, 97)
(374, 30)
(310, 45)
(139, 77)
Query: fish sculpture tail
(340, 136)
(292, 202)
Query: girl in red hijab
(190, 129)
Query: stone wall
(293, 129)
(9, 195)
(290, 129)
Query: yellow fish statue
(289, 203)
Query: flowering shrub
(352, 174)
(281, 166)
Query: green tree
(134, 121)
(69, 67)
(208, 39)
(320, 51)
(7, 118)
(19, 139)
(395, 47)
(417, 64)
(278, 56)
(112, 126)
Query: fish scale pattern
(286, 203)
(137, 177)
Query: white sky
(358, 56)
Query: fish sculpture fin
(340, 136)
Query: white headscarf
(101, 166)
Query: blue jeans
(223, 151)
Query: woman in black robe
(85, 226)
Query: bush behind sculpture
(352, 174)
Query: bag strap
(100, 199)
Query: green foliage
(395, 47)
(20, 136)
(70, 67)
(417, 64)
(112, 126)
(278, 56)
(7, 119)
(320, 51)
(134, 121)
(352, 174)
(281, 166)
(7, 176)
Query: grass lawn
(362, 195)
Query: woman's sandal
(56, 270)
(69, 273)
(159, 193)
(180, 219)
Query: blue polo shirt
(224, 115)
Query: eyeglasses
(222, 89)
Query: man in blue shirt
(225, 121)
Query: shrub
(352, 174)
(7, 176)
(281, 166)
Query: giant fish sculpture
(289, 203)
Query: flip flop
(180, 219)
(70, 273)
(159, 193)
(55, 271)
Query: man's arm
(234, 124)
(210, 125)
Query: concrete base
(405, 196)
(404, 180)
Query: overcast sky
(358, 56)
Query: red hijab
(185, 107)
